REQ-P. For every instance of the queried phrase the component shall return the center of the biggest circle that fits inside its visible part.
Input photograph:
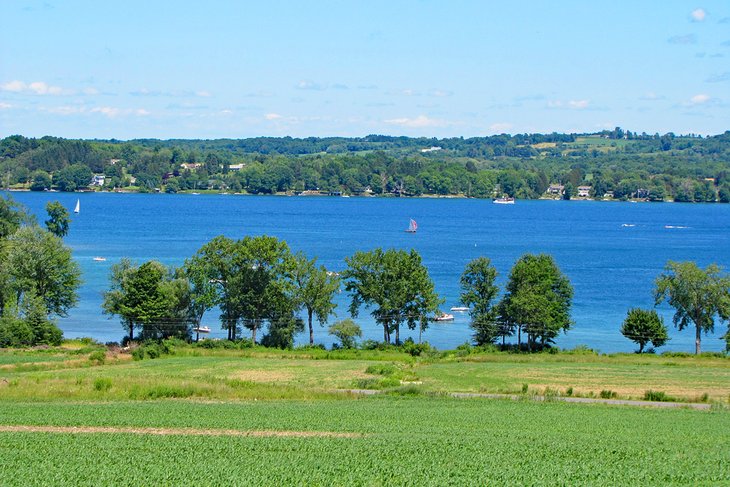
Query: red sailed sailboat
(412, 227)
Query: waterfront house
(584, 191)
(97, 180)
(556, 189)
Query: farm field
(269, 417)
(368, 441)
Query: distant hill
(616, 163)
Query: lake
(611, 251)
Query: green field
(266, 417)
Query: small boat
(412, 226)
(460, 309)
(78, 206)
(202, 329)
(504, 200)
(628, 225)
(444, 317)
(100, 259)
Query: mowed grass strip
(398, 441)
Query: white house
(584, 191)
(97, 180)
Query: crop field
(368, 441)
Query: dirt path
(173, 431)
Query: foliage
(346, 331)
(149, 297)
(11, 216)
(644, 326)
(41, 264)
(698, 296)
(478, 292)
(58, 219)
(314, 288)
(396, 284)
(537, 300)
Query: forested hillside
(618, 163)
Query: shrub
(381, 369)
(608, 394)
(99, 356)
(102, 384)
(569, 391)
(347, 331)
(659, 396)
(524, 388)
(15, 332)
(415, 349)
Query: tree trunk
(519, 338)
(397, 334)
(253, 331)
(311, 330)
(386, 338)
(131, 331)
(641, 347)
(698, 338)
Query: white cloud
(578, 104)
(113, 112)
(570, 104)
(309, 85)
(683, 39)
(440, 93)
(272, 116)
(698, 15)
(5, 106)
(419, 122)
(203, 94)
(700, 99)
(90, 90)
(36, 88)
(500, 127)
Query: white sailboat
(78, 206)
(412, 227)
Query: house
(557, 189)
(97, 180)
(191, 166)
(584, 191)
(431, 149)
(236, 167)
(608, 194)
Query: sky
(237, 69)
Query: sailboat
(78, 206)
(412, 226)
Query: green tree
(346, 332)
(40, 263)
(697, 295)
(396, 284)
(478, 292)
(58, 219)
(644, 326)
(537, 299)
(315, 289)
(41, 181)
(148, 297)
(11, 216)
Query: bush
(102, 384)
(415, 349)
(658, 396)
(15, 332)
(99, 356)
(347, 331)
(608, 394)
(381, 369)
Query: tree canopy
(699, 296)
(479, 293)
(395, 284)
(644, 326)
(537, 300)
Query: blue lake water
(611, 264)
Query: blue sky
(180, 69)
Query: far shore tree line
(258, 284)
(619, 163)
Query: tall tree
(38, 261)
(478, 292)
(697, 295)
(644, 326)
(537, 300)
(396, 284)
(149, 297)
(58, 219)
(315, 289)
